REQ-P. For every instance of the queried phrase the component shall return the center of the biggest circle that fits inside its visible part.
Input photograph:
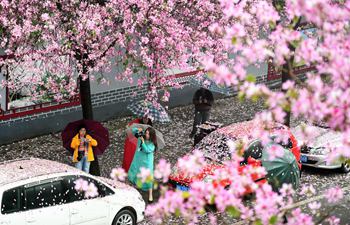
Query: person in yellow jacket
(82, 144)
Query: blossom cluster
(70, 38)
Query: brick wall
(115, 96)
(118, 95)
(106, 105)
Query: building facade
(108, 102)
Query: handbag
(80, 155)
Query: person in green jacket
(144, 157)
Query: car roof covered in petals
(21, 169)
(245, 129)
(319, 136)
(214, 145)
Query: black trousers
(199, 118)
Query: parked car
(41, 192)
(314, 153)
(215, 150)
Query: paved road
(176, 134)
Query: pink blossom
(91, 191)
(81, 185)
(118, 174)
(298, 218)
(45, 17)
(333, 220)
(162, 170)
(308, 190)
(191, 164)
(314, 206)
(17, 31)
(144, 175)
(275, 151)
(334, 194)
(287, 190)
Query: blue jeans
(83, 164)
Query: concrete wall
(2, 90)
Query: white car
(314, 153)
(41, 192)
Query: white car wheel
(345, 167)
(125, 217)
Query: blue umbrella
(209, 84)
(145, 108)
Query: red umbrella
(93, 128)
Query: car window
(73, 195)
(44, 195)
(11, 200)
(103, 190)
(287, 145)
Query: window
(11, 200)
(103, 190)
(73, 195)
(44, 195)
(288, 145)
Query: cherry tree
(60, 42)
(71, 39)
(266, 30)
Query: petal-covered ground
(176, 135)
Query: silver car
(314, 153)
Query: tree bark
(287, 68)
(286, 75)
(85, 98)
(86, 106)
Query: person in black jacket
(203, 100)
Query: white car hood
(124, 191)
(115, 184)
(320, 137)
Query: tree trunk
(287, 68)
(285, 77)
(85, 98)
(86, 106)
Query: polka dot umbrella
(280, 169)
(154, 112)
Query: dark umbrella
(282, 169)
(93, 128)
(208, 83)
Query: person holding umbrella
(82, 144)
(96, 131)
(131, 141)
(143, 158)
(203, 100)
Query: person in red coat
(131, 142)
